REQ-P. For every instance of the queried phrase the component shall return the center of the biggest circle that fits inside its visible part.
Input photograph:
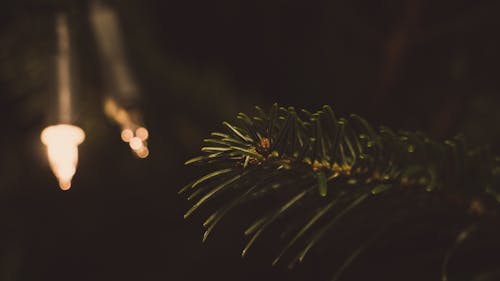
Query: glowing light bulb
(62, 149)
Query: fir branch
(326, 167)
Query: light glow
(127, 135)
(62, 149)
(142, 133)
(143, 152)
(105, 23)
(132, 132)
(135, 143)
(63, 61)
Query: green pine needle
(286, 153)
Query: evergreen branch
(346, 162)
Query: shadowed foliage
(322, 171)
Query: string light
(62, 140)
(121, 85)
(132, 132)
(62, 150)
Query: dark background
(412, 65)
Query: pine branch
(325, 168)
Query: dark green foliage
(321, 168)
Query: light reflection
(62, 149)
(105, 23)
(63, 60)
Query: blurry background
(411, 65)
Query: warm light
(139, 147)
(62, 149)
(142, 133)
(135, 143)
(143, 152)
(132, 131)
(127, 135)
